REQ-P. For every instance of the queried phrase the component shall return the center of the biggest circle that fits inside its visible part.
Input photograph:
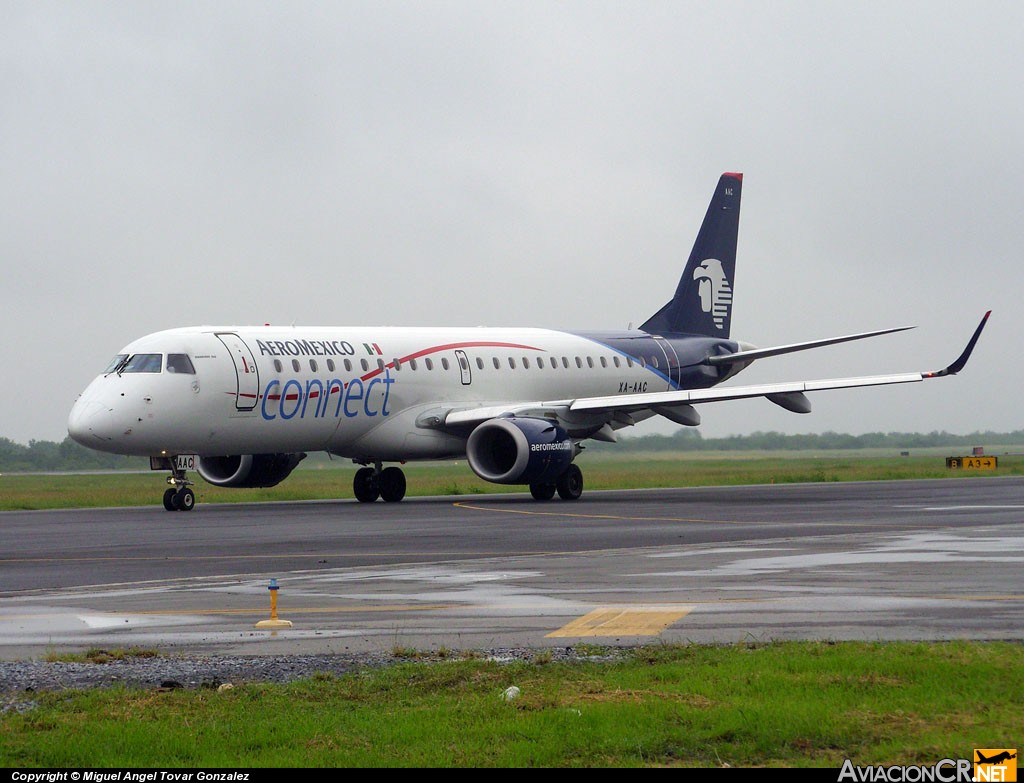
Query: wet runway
(876, 560)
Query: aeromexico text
(309, 348)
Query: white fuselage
(365, 393)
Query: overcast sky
(531, 163)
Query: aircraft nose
(90, 424)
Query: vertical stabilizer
(702, 303)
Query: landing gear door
(248, 393)
(467, 373)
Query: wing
(599, 416)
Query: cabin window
(654, 362)
(365, 364)
(277, 365)
(526, 363)
(380, 365)
(479, 363)
(179, 362)
(444, 363)
(579, 362)
(429, 363)
(590, 362)
(604, 362)
(144, 362)
(565, 362)
(616, 361)
(512, 362)
(497, 364)
(629, 361)
(412, 364)
(330, 365)
(348, 365)
(295, 365)
(397, 364)
(540, 362)
(312, 365)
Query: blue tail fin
(703, 300)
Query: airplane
(996, 759)
(243, 405)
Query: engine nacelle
(248, 470)
(519, 451)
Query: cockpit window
(179, 362)
(116, 362)
(143, 362)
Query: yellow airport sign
(972, 463)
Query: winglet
(961, 361)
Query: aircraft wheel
(170, 500)
(570, 483)
(365, 485)
(542, 491)
(392, 484)
(185, 499)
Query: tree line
(42, 455)
(688, 439)
(46, 455)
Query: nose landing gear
(183, 499)
(179, 496)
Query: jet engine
(519, 451)
(248, 470)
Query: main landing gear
(389, 484)
(372, 483)
(569, 486)
(179, 496)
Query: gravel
(20, 679)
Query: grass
(601, 471)
(784, 704)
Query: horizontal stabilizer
(761, 353)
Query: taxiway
(876, 560)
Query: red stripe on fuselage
(448, 347)
(403, 360)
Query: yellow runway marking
(623, 621)
(616, 517)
